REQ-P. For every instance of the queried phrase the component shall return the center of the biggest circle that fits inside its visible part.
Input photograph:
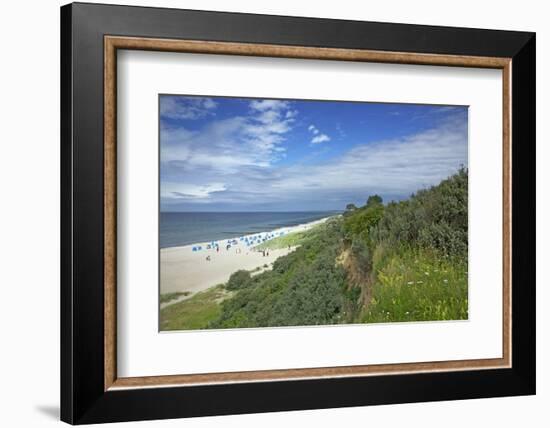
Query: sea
(184, 228)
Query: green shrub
(358, 224)
(374, 200)
(412, 256)
(238, 280)
(436, 218)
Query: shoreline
(286, 229)
(189, 269)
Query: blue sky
(243, 154)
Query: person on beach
(208, 258)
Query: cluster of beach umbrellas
(249, 240)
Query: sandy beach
(186, 268)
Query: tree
(350, 207)
(374, 200)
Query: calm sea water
(177, 229)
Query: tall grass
(194, 313)
(417, 285)
(289, 240)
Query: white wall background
(29, 213)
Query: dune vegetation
(395, 262)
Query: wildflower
(419, 282)
(410, 283)
(445, 280)
(407, 313)
(427, 273)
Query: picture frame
(91, 390)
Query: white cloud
(318, 136)
(185, 191)
(226, 145)
(321, 138)
(396, 167)
(230, 163)
(189, 108)
(313, 129)
(264, 105)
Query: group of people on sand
(265, 252)
(237, 251)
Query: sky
(245, 154)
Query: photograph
(288, 212)
(264, 212)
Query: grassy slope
(168, 297)
(303, 288)
(195, 312)
(416, 253)
(292, 239)
(408, 262)
(418, 286)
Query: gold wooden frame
(113, 43)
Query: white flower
(419, 282)
(427, 273)
(410, 283)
